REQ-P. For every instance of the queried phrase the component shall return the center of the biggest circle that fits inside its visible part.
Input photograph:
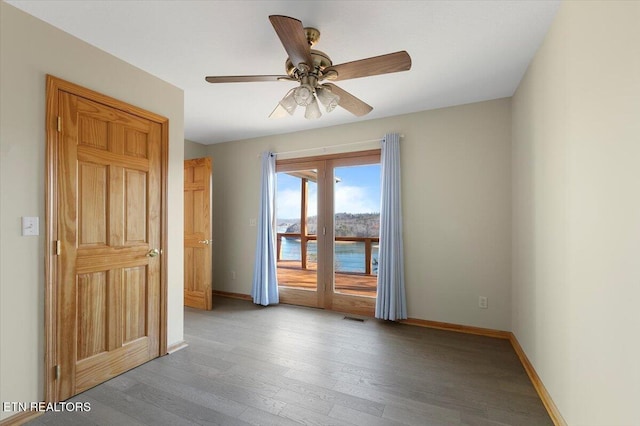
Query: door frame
(54, 85)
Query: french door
(327, 219)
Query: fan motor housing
(320, 61)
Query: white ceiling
(462, 52)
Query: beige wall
(456, 201)
(29, 50)
(576, 216)
(194, 150)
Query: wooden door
(197, 234)
(109, 229)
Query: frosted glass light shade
(313, 110)
(303, 94)
(329, 100)
(289, 103)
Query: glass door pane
(297, 231)
(356, 224)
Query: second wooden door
(197, 234)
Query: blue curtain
(391, 302)
(265, 279)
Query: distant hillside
(346, 225)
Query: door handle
(205, 242)
(153, 252)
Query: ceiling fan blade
(384, 64)
(293, 38)
(278, 112)
(349, 102)
(246, 78)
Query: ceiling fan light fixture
(289, 102)
(310, 67)
(313, 110)
(329, 99)
(303, 95)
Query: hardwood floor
(287, 365)
(291, 275)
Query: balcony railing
(368, 248)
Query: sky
(357, 192)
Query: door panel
(92, 314)
(197, 234)
(299, 239)
(355, 221)
(109, 188)
(92, 200)
(134, 297)
(135, 215)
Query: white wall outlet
(483, 302)
(252, 221)
(233, 275)
(30, 226)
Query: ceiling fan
(310, 68)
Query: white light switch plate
(30, 226)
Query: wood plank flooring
(287, 365)
(291, 275)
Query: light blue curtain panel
(265, 278)
(391, 302)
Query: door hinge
(59, 123)
(324, 231)
(57, 372)
(58, 247)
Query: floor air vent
(354, 319)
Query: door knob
(153, 252)
(205, 241)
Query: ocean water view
(349, 256)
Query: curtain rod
(324, 148)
